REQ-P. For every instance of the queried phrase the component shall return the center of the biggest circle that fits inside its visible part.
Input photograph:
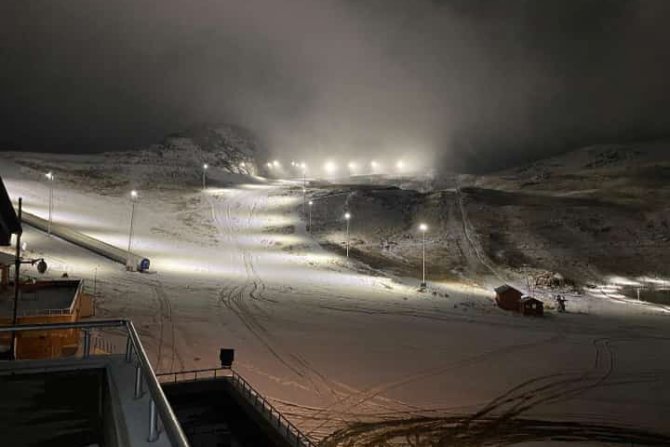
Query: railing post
(138, 382)
(129, 349)
(87, 343)
(153, 422)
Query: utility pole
(310, 215)
(50, 177)
(17, 269)
(423, 250)
(133, 198)
(95, 288)
(204, 175)
(304, 199)
(423, 228)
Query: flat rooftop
(74, 402)
(212, 412)
(52, 408)
(39, 296)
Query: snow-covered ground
(339, 345)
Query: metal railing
(55, 311)
(35, 312)
(284, 427)
(193, 375)
(159, 408)
(292, 434)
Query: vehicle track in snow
(473, 246)
(502, 420)
(348, 404)
(248, 301)
(166, 336)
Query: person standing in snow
(560, 299)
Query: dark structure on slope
(531, 306)
(507, 297)
(9, 221)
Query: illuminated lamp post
(330, 168)
(310, 203)
(423, 228)
(50, 176)
(133, 201)
(204, 175)
(400, 165)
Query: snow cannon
(143, 265)
(136, 263)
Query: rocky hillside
(176, 162)
(585, 216)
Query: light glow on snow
(621, 281)
(330, 168)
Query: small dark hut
(507, 297)
(531, 306)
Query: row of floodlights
(330, 167)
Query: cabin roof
(504, 288)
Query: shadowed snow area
(349, 349)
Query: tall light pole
(310, 203)
(304, 199)
(400, 165)
(347, 217)
(423, 228)
(50, 176)
(133, 200)
(17, 278)
(204, 175)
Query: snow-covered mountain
(226, 147)
(229, 151)
(589, 214)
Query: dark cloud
(475, 83)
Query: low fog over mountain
(474, 84)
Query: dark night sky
(477, 82)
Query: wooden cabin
(531, 306)
(507, 297)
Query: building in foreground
(54, 301)
(113, 398)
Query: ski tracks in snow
(234, 215)
(167, 336)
